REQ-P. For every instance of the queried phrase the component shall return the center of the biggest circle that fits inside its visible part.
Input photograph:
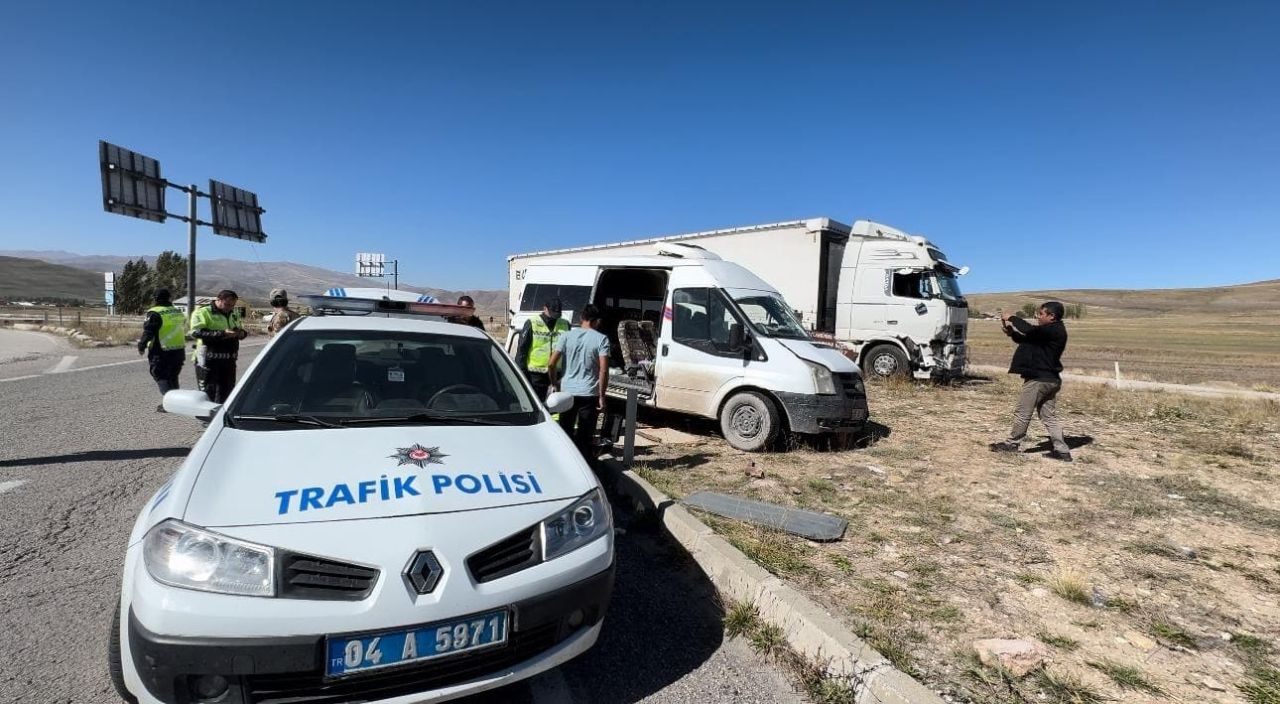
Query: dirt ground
(1150, 567)
(1240, 351)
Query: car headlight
(587, 519)
(183, 555)
(822, 379)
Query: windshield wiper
(425, 418)
(294, 418)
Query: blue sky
(1045, 145)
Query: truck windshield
(770, 316)
(948, 286)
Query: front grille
(313, 688)
(508, 556)
(311, 577)
(849, 385)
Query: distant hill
(32, 279)
(252, 280)
(1219, 300)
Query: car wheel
(750, 421)
(114, 667)
(887, 361)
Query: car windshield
(771, 317)
(948, 286)
(322, 378)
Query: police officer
(218, 333)
(536, 340)
(162, 341)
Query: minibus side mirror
(737, 338)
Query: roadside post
(132, 186)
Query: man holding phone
(1038, 359)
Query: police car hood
(300, 476)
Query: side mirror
(194, 404)
(558, 402)
(737, 338)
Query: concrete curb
(810, 630)
(1135, 385)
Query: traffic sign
(131, 183)
(236, 212)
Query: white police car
(381, 512)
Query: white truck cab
(699, 335)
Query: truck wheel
(885, 361)
(114, 667)
(750, 421)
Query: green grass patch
(741, 618)
(1126, 676)
(1262, 686)
(1062, 688)
(1172, 634)
(1058, 641)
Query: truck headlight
(822, 379)
(586, 520)
(182, 555)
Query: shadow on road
(98, 456)
(663, 622)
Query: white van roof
(724, 274)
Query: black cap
(163, 295)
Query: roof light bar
(337, 305)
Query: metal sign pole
(191, 253)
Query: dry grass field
(1225, 336)
(1150, 568)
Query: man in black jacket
(1038, 359)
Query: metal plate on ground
(806, 524)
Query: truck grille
(313, 688)
(311, 577)
(508, 556)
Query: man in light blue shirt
(585, 352)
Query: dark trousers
(217, 379)
(579, 423)
(540, 382)
(165, 366)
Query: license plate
(371, 651)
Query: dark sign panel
(236, 212)
(131, 183)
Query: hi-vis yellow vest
(543, 339)
(172, 322)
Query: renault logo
(423, 572)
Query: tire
(114, 666)
(750, 421)
(886, 361)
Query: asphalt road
(81, 450)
